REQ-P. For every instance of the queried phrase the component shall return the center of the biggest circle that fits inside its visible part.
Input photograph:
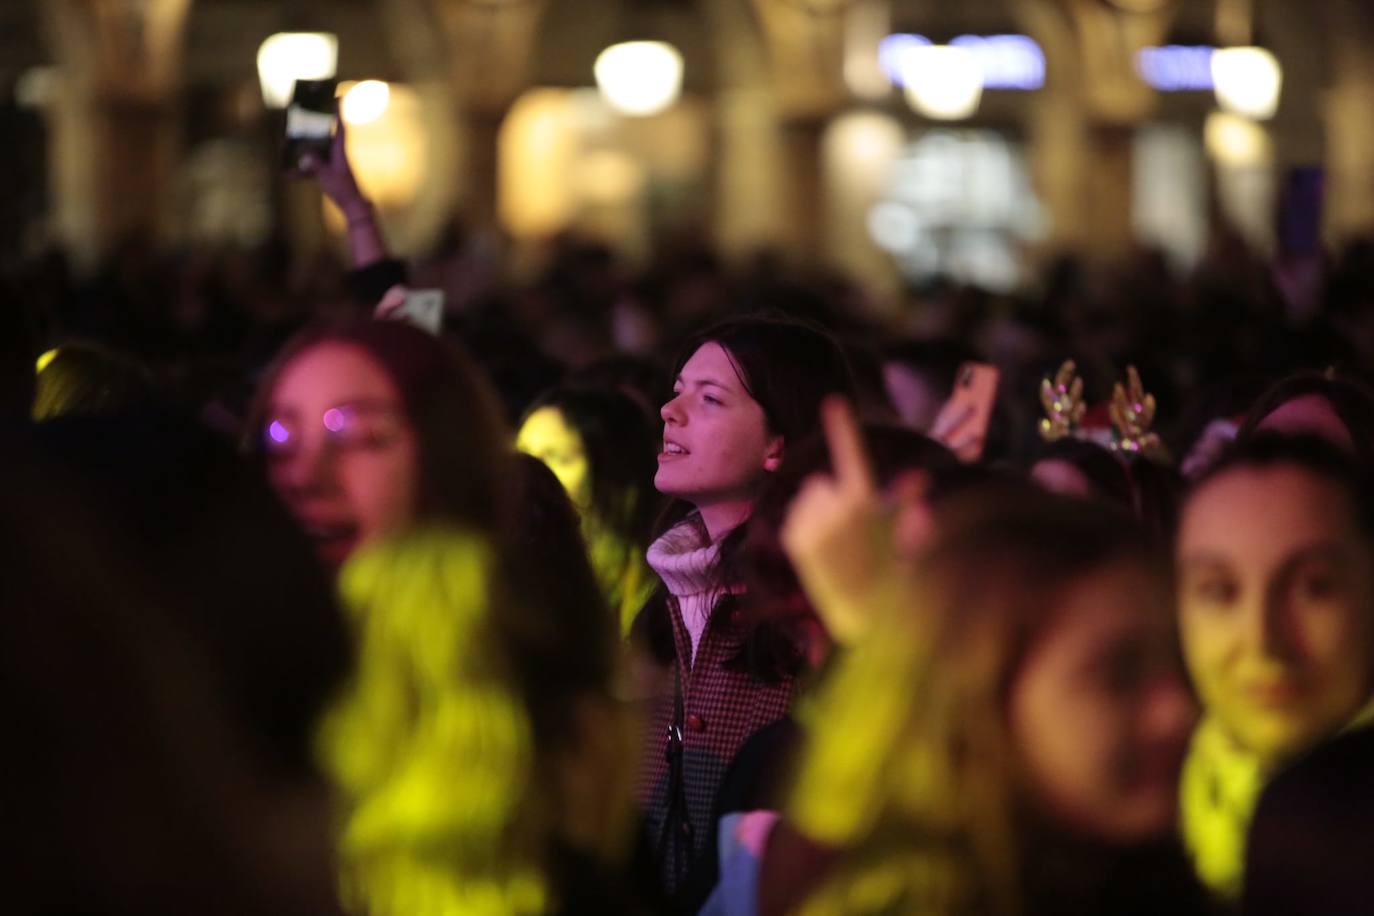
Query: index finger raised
(848, 455)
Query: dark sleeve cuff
(369, 284)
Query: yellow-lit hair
(431, 744)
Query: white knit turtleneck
(686, 560)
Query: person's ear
(772, 455)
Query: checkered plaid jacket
(721, 706)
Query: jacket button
(696, 723)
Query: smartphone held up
(964, 420)
(311, 120)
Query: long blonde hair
(910, 767)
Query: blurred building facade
(141, 120)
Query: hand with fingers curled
(339, 183)
(850, 543)
(336, 178)
(391, 304)
(949, 428)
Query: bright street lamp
(639, 78)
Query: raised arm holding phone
(379, 279)
(335, 176)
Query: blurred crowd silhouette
(685, 586)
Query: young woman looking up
(747, 390)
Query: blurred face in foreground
(1099, 713)
(1275, 599)
(340, 451)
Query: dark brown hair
(1352, 401)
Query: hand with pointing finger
(848, 542)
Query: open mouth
(672, 450)
(334, 541)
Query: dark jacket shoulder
(1308, 848)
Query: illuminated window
(959, 204)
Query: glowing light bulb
(942, 82)
(289, 56)
(365, 102)
(1248, 81)
(1235, 141)
(639, 78)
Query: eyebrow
(1206, 558)
(701, 382)
(356, 404)
(1323, 550)
(367, 405)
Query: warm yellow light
(942, 82)
(866, 25)
(1248, 81)
(537, 149)
(365, 102)
(607, 177)
(46, 359)
(1234, 141)
(639, 77)
(289, 56)
(389, 153)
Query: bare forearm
(365, 243)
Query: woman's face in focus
(340, 451)
(716, 444)
(1099, 713)
(546, 435)
(1276, 596)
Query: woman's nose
(671, 412)
(309, 470)
(1269, 626)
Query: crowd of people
(693, 589)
